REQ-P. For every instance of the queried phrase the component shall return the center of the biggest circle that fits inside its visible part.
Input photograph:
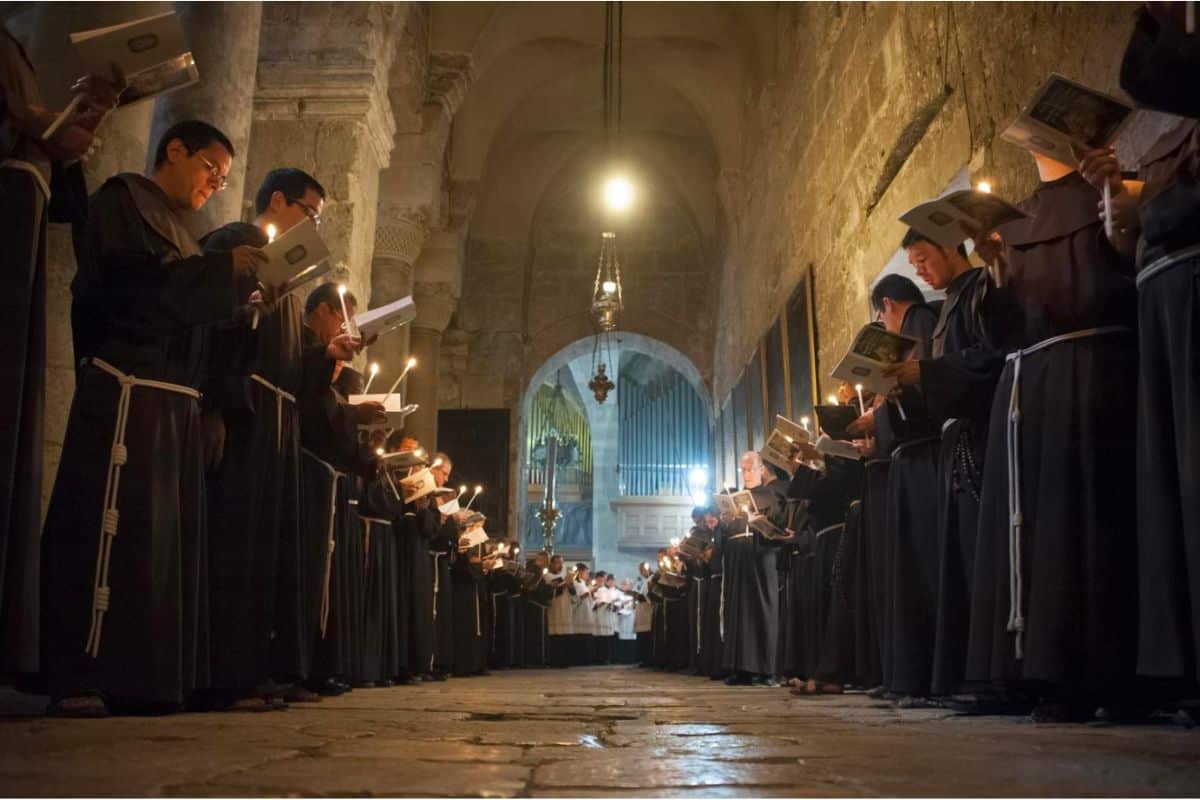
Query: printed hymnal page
(393, 404)
(872, 350)
(943, 219)
(378, 321)
(837, 447)
(778, 449)
(152, 52)
(296, 257)
(1064, 116)
(737, 503)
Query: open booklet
(1065, 116)
(385, 319)
(153, 52)
(736, 503)
(778, 449)
(873, 349)
(837, 447)
(943, 219)
(393, 404)
(296, 257)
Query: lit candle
(833, 399)
(984, 187)
(412, 362)
(461, 491)
(346, 321)
(478, 491)
(271, 230)
(861, 408)
(804, 424)
(374, 372)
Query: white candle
(804, 424)
(374, 372)
(341, 296)
(412, 362)
(478, 491)
(861, 408)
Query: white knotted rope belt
(1158, 266)
(1016, 518)
(330, 541)
(118, 457)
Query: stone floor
(588, 732)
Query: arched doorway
(625, 487)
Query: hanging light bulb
(618, 193)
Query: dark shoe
(84, 706)
(298, 694)
(1050, 712)
(738, 679)
(330, 688)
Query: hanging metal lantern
(600, 384)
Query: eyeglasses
(309, 211)
(214, 172)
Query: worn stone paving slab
(597, 732)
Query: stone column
(123, 142)
(224, 39)
(399, 236)
(435, 305)
(321, 105)
(604, 421)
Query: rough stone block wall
(872, 109)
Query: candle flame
(379, 451)
(858, 387)
(342, 289)
(478, 489)
(984, 187)
(271, 231)
(374, 369)
(412, 362)
(833, 400)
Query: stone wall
(872, 109)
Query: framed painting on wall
(801, 348)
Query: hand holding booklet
(837, 447)
(393, 405)
(953, 217)
(781, 443)
(873, 349)
(1064, 116)
(374, 323)
(153, 52)
(295, 258)
(737, 503)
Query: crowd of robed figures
(1022, 529)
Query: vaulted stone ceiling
(526, 157)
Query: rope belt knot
(111, 515)
(1016, 518)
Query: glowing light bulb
(984, 186)
(618, 193)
